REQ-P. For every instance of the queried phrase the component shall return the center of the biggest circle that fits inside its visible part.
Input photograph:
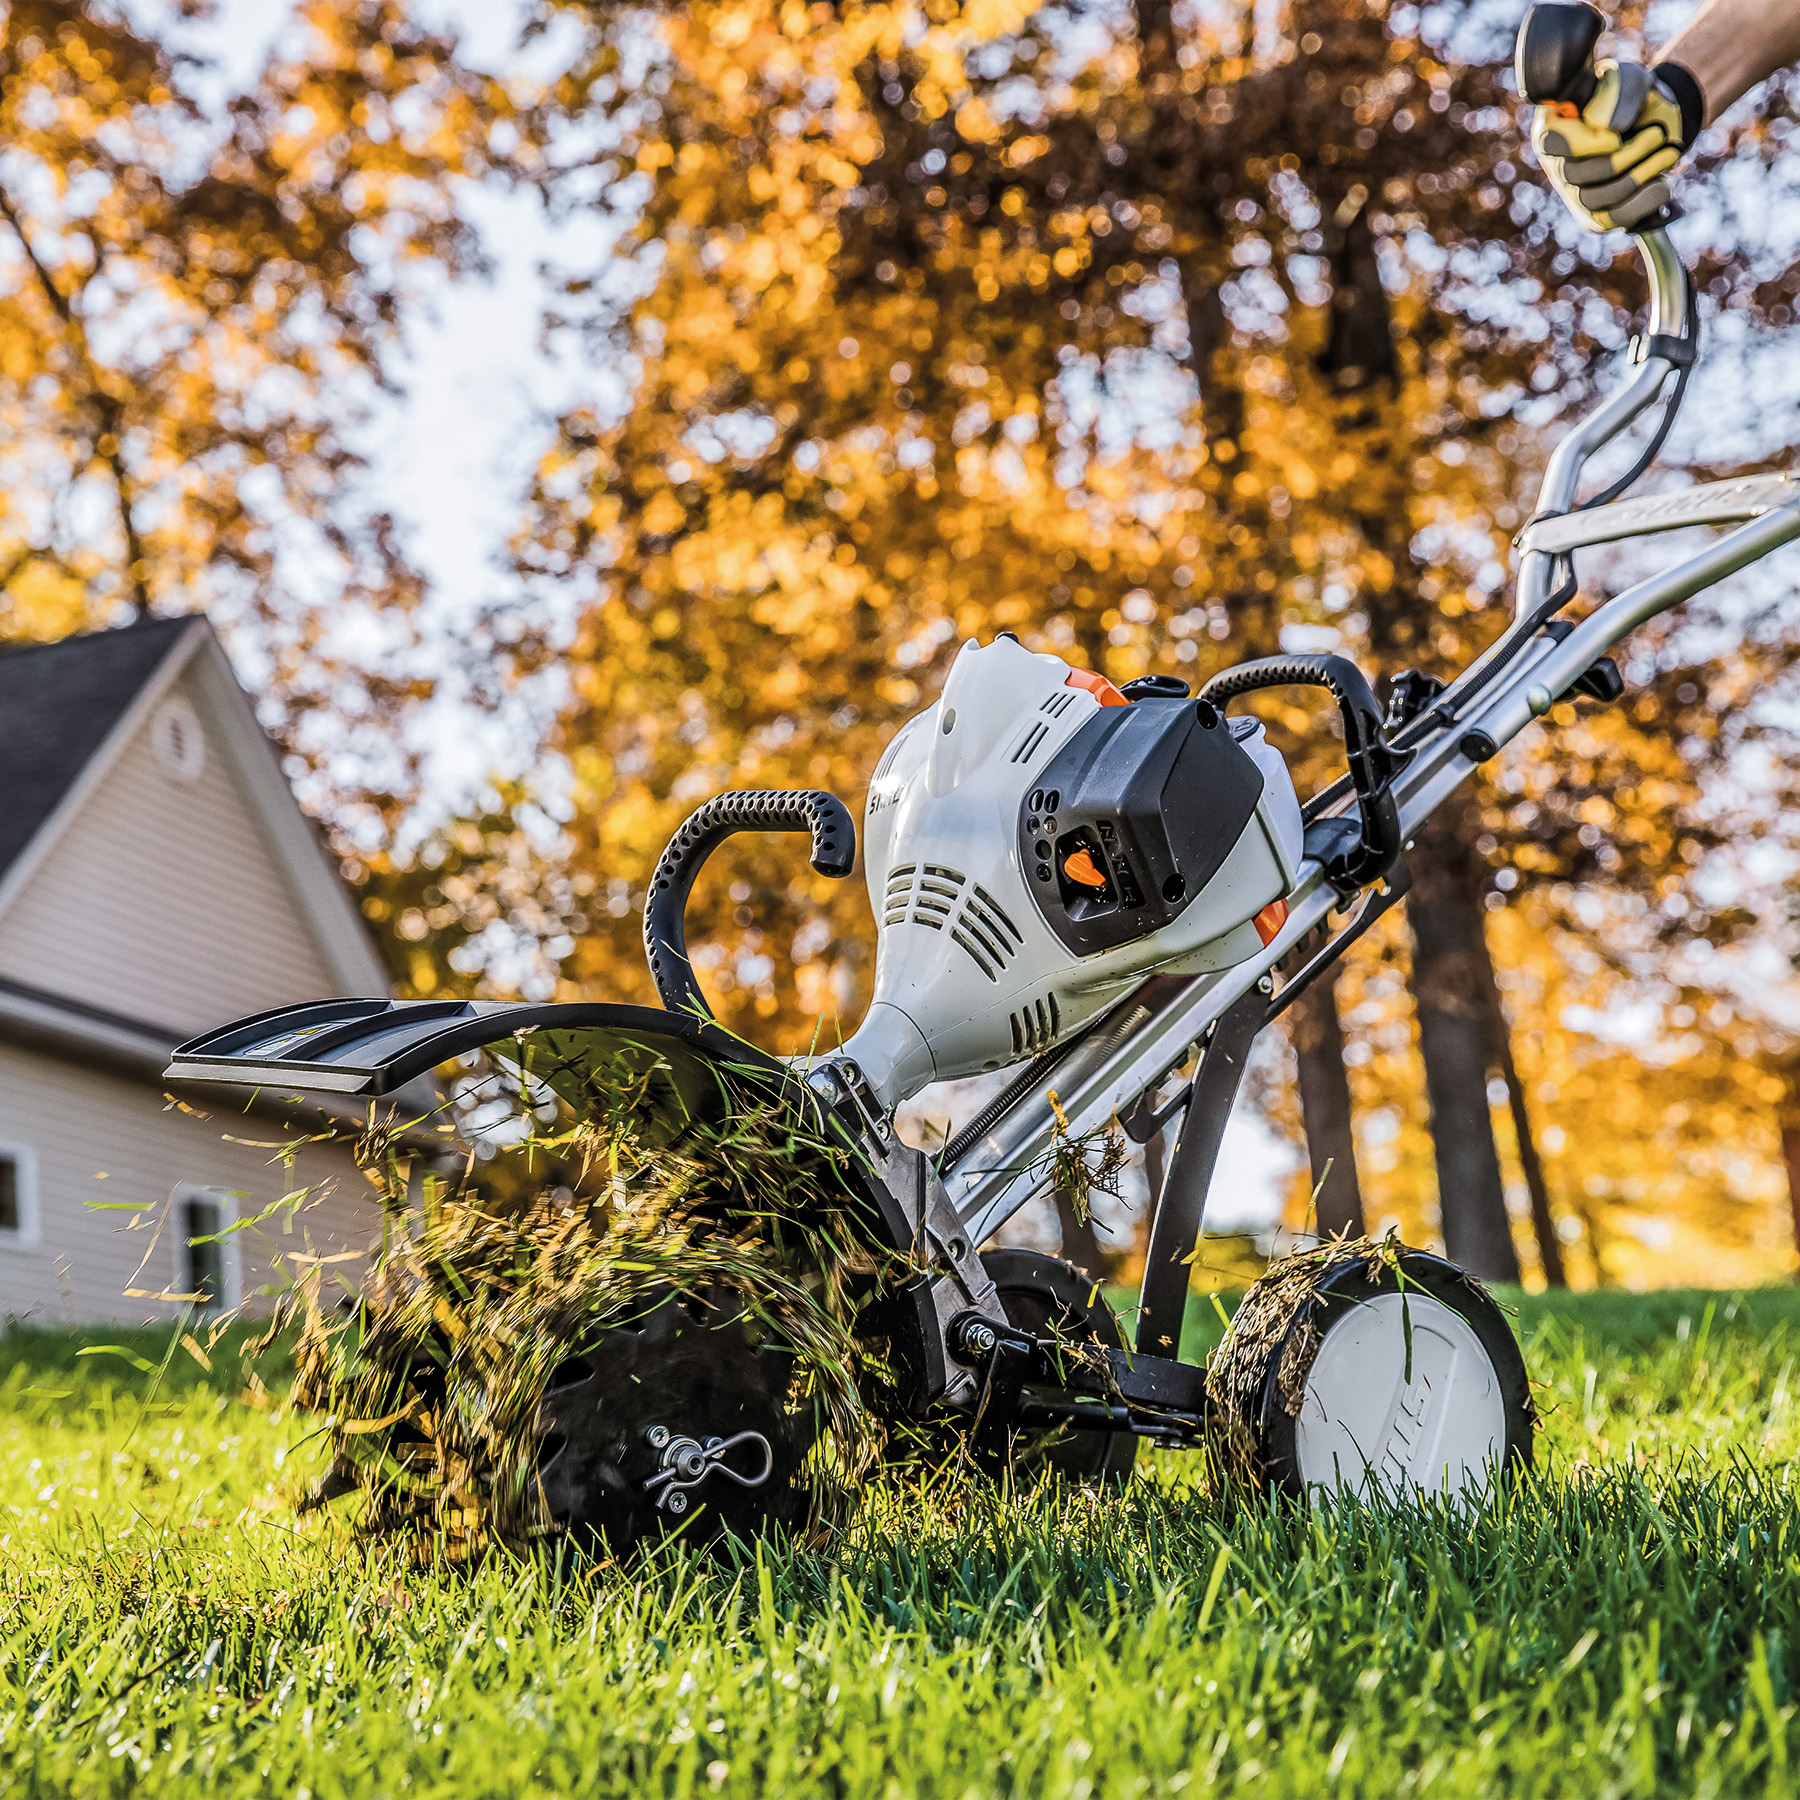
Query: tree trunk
(1543, 1226)
(1325, 1105)
(1449, 975)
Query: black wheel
(690, 1378)
(1364, 1366)
(1053, 1299)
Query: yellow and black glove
(1608, 158)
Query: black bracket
(1681, 351)
(1011, 1356)
(1600, 680)
(1410, 693)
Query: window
(18, 1197)
(206, 1258)
(207, 1247)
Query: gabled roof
(58, 704)
(67, 711)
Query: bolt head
(657, 1436)
(678, 1502)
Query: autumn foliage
(1158, 335)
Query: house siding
(161, 901)
(100, 1138)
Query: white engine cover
(969, 975)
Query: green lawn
(1625, 1626)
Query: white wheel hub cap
(1368, 1420)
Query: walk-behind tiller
(1092, 885)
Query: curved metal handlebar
(1668, 319)
(1668, 283)
(754, 809)
(1668, 329)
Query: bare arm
(1731, 45)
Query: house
(157, 878)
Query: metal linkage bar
(1175, 1229)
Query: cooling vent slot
(934, 899)
(984, 930)
(931, 894)
(1035, 1027)
(981, 962)
(1059, 703)
(899, 891)
(887, 757)
(1032, 739)
(985, 916)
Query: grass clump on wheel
(1415, 1336)
(615, 1250)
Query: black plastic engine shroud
(1158, 792)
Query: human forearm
(1731, 45)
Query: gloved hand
(1608, 160)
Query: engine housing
(989, 950)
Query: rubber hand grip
(1373, 761)
(755, 809)
(1554, 57)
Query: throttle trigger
(1600, 681)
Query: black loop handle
(1373, 761)
(753, 809)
